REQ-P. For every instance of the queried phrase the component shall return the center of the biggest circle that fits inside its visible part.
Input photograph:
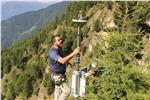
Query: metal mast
(79, 22)
(76, 73)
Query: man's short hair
(53, 38)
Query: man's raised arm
(69, 57)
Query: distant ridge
(29, 22)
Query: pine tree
(119, 75)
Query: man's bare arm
(69, 57)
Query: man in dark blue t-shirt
(58, 68)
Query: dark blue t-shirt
(53, 55)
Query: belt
(57, 72)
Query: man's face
(58, 41)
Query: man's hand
(76, 51)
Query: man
(58, 68)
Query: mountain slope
(30, 21)
(120, 54)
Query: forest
(120, 40)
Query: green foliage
(85, 31)
(97, 26)
(14, 76)
(25, 74)
(24, 85)
(68, 36)
(119, 75)
(6, 65)
(19, 83)
(10, 95)
(129, 16)
(27, 88)
(35, 45)
(49, 84)
(74, 7)
(36, 69)
(13, 59)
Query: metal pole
(76, 73)
(78, 45)
(77, 64)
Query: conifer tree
(119, 75)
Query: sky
(34, 0)
(5, 15)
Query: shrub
(97, 26)
(49, 84)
